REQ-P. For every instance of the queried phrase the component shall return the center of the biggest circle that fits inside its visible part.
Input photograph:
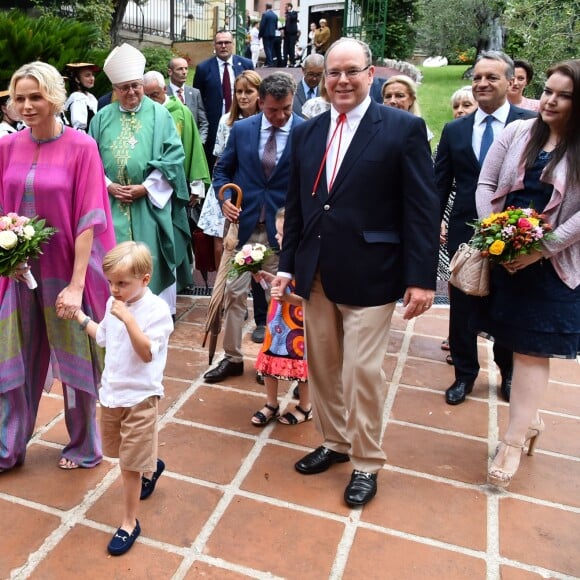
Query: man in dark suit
(290, 35)
(251, 142)
(177, 71)
(459, 157)
(268, 28)
(308, 87)
(361, 231)
(209, 80)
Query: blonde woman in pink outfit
(534, 305)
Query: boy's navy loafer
(122, 541)
(148, 485)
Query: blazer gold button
(326, 207)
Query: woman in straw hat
(81, 104)
(8, 117)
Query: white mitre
(125, 63)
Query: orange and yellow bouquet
(504, 236)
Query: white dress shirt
(335, 154)
(499, 120)
(282, 135)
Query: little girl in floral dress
(282, 354)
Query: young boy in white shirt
(135, 333)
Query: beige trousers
(236, 298)
(346, 347)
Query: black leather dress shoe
(506, 387)
(457, 392)
(259, 334)
(361, 489)
(225, 369)
(320, 460)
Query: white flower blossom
(239, 259)
(8, 240)
(257, 255)
(28, 232)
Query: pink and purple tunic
(62, 181)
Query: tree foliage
(543, 32)
(48, 38)
(387, 26)
(450, 27)
(98, 12)
(401, 29)
(119, 9)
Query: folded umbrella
(213, 322)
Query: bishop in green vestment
(144, 164)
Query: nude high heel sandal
(498, 476)
(533, 433)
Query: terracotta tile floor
(231, 506)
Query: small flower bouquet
(250, 259)
(504, 236)
(20, 240)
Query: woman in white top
(310, 48)
(244, 104)
(255, 43)
(81, 105)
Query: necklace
(57, 131)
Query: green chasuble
(132, 145)
(196, 168)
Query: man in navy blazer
(242, 163)
(290, 35)
(268, 28)
(458, 160)
(208, 80)
(355, 247)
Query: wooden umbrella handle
(236, 188)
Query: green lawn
(435, 93)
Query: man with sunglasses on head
(143, 160)
(214, 78)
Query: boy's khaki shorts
(130, 433)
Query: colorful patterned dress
(282, 355)
(62, 181)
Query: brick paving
(231, 506)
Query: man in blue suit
(361, 231)
(459, 159)
(268, 28)
(208, 80)
(257, 158)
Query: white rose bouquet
(20, 240)
(249, 259)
